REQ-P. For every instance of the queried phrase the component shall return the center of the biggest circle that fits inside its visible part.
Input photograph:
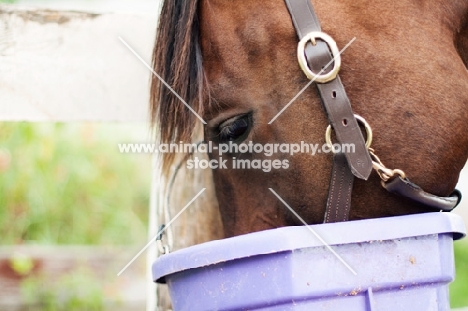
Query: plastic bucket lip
(292, 238)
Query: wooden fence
(69, 66)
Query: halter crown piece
(319, 59)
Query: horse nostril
(345, 122)
(334, 94)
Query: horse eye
(234, 129)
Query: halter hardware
(162, 248)
(301, 57)
(384, 173)
(363, 122)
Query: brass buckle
(301, 57)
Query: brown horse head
(234, 62)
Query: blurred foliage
(72, 292)
(68, 184)
(459, 288)
(21, 264)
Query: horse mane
(177, 59)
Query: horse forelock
(177, 60)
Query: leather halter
(320, 61)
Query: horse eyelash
(228, 130)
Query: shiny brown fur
(405, 74)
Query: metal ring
(363, 122)
(301, 56)
(162, 248)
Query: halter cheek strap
(339, 193)
(320, 60)
(332, 93)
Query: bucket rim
(286, 239)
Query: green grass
(68, 184)
(459, 288)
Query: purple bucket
(402, 263)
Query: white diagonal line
(160, 231)
(315, 233)
(311, 81)
(161, 79)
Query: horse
(235, 64)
